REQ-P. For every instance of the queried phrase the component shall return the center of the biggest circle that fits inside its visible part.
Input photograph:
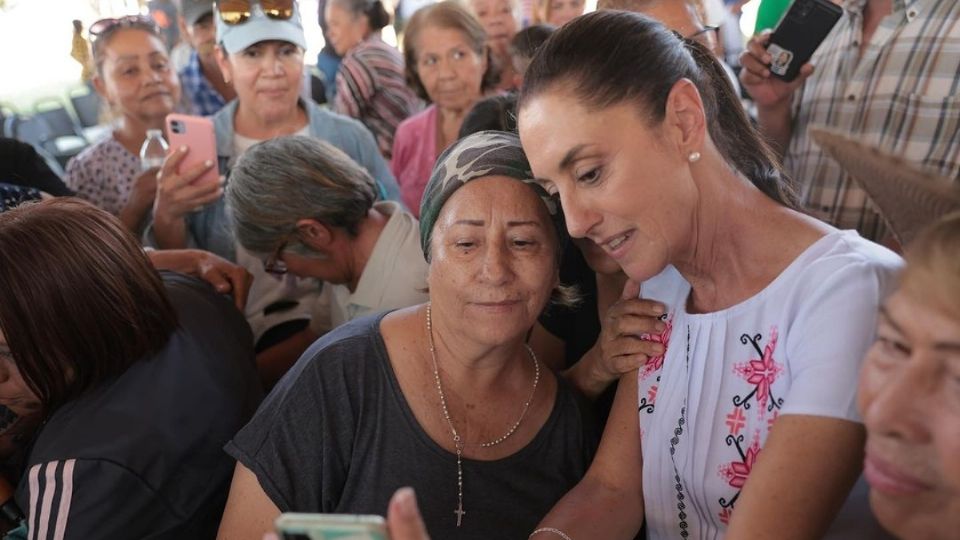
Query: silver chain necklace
(457, 440)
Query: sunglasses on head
(239, 11)
(105, 26)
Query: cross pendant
(459, 512)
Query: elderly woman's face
(449, 68)
(623, 185)
(496, 17)
(910, 401)
(267, 77)
(344, 29)
(493, 260)
(14, 392)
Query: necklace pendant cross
(459, 512)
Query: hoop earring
(693, 157)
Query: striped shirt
(371, 88)
(902, 96)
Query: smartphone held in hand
(197, 134)
(293, 526)
(801, 30)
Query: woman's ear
(101, 87)
(223, 62)
(314, 234)
(685, 115)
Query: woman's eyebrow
(571, 156)
(526, 223)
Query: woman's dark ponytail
(377, 15)
(730, 128)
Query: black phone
(801, 30)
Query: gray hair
(282, 180)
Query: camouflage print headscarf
(482, 154)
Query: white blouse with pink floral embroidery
(707, 406)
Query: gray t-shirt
(337, 435)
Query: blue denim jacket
(209, 229)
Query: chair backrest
(29, 129)
(59, 121)
(87, 106)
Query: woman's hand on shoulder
(225, 276)
(624, 343)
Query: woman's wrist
(587, 376)
(134, 213)
(169, 233)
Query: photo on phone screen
(801, 31)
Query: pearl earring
(693, 157)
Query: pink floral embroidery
(776, 414)
(652, 393)
(725, 515)
(737, 472)
(736, 421)
(762, 372)
(655, 363)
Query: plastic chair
(34, 130)
(58, 119)
(86, 104)
(66, 136)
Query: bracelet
(557, 532)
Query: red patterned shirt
(371, 88)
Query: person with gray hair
(312, 211)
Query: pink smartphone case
(197, 134)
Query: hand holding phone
(801, 31)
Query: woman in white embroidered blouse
(747, 422)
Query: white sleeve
(829, 337)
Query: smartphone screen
(293, 526)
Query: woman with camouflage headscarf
(445, 397)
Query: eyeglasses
(274, 265)
(235, 12)
(106, 26)
(702, 31)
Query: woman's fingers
(632, 325)
(172, 162)
(631, 290)
(633, 345)
(403, 517)
(636, 306)
(240, 282)
(191, 174)
(193, 196)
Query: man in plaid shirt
(203, 85)
(887, 75)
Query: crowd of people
(535, 274)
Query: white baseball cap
(259, 27)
